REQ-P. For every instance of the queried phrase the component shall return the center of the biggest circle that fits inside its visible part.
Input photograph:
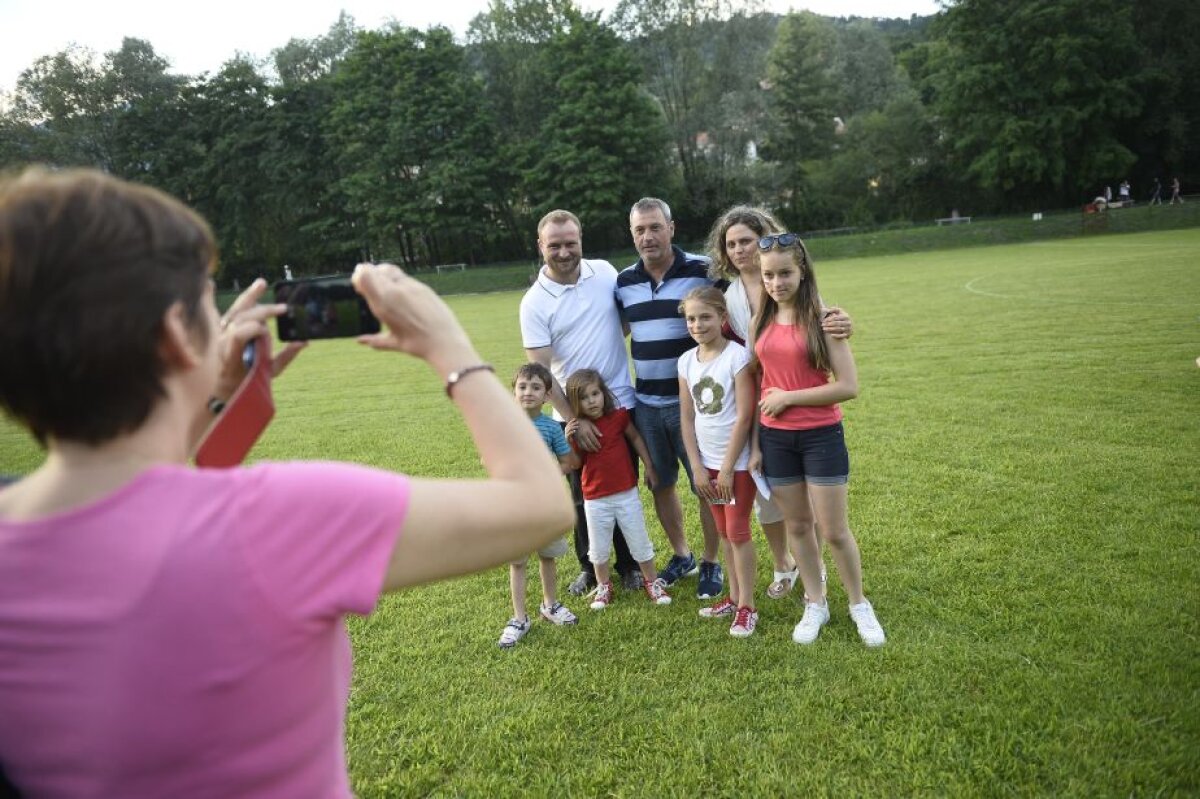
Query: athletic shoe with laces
(815, 616)
(744, 623)
(585, 582)
(513, 631)
(677, 568)
(657, 591)
(712, 580)
(725, 607)
(869, 628)
(558, 614)
(633, 581)
(602, 596)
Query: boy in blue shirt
(531, 385)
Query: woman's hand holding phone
(245, 321)
(416, 319)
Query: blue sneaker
(711, 580)
(678, 567)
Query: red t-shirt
(609, 471)
(782, 352)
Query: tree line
(412, 146)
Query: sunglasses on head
(784, 240)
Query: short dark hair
(534, 369)
(89, 266)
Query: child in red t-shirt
(609, 482)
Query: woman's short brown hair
(89, 265)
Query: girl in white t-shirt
(716, 401)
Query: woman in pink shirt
(170, 631)
(804, 373)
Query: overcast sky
(200, 36)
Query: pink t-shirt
(782, 352)
(183, 636)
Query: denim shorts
(816, 456)
(659, 428)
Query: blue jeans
(659, 428)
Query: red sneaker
(723, 608)
(744, 622)
(603, 596)
(657, 591)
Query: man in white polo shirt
(569, 321)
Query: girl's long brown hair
(581, 379)
(808, 309)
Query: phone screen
(322, 307)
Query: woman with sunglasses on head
(170, 631)
(803, 373)
(733, 247)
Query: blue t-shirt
(552, 434)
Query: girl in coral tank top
(803, 374)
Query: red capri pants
(733, 521)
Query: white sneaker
(815, 616)
(558, 614)
(869, 629)
(513, 631)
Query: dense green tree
(1031, 96)
(702, 60)
(414, 145)
(1165, 136)
(519, 88)
(86, 110)
(864, 69)
(305, 60)
(888, 166)
(604, 143)
(225, 130)
(802, 97)
(61, 94)
(518, 84)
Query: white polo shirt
(581, 325)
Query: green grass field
(1025, 494)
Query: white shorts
(768, 510)
(603, 514)
(555, 549)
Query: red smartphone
(246, 415)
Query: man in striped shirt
(648, 295)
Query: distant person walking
(1123, 191)
(1156, 195)
(1175, 192)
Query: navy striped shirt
(657, 331)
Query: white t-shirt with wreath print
(714, 395)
